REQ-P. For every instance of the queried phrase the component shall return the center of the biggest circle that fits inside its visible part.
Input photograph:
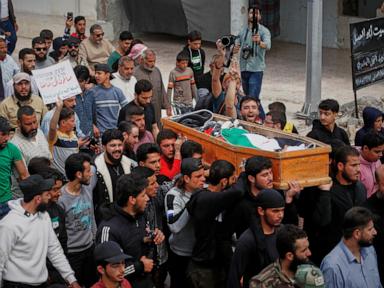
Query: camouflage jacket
(271, 277)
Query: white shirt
(8, 68)
(30, 148)
(127, 86)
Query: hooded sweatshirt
(182, 239)
(370, 115)
(26, 241)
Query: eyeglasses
(40, 49)
(73, 45)
(99, 35)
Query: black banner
(367, 49)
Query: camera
(246, 52)
(93, 141)
(151, 235)
(228, 40)
(69, 15)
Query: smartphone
(69, 15)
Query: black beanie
(270, 198)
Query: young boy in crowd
(280, 107)
(47, 35)
(196, 55)
(110, 262)
(182, 82)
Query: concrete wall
(86, 8)
(113, 12)
(293, 22)
(52, 14)
(238, 15)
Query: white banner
(57, 80)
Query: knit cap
(270, 198)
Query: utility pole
(313, 58)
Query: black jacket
(319, 132)
(254, 251)
(376, 205)
(370, 114)
(155, 218)
(129, 233)
(205, 208)
(323, 213)
(239, 217)
(57, 215)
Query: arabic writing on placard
(367, 51)
(57, 80)
(367, 35)
(368, 61)
(370, 78)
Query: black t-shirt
(115, 171)
(149, 114)
(130, 154)
(205, 81)
(270, 243)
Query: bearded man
(293, 247)
(28, 239)
(22, 96)
(110, 164)
(323, 208)
(28, 136)
(30, 141)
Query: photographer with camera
(254, 41)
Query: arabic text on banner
(57, 80)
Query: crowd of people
(94, 192)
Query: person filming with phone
(255, 40)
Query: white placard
(57, 80)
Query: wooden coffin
(309, 167)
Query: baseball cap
(270, 198)
(58, 42)
(20, 77)
(190, 165)
(137, 50)
(309, 276)
(103, 67)
(35, 185)
(110, 252)
(73, 40)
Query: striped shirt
(108, 102)
(46, 121)
(183, 85)
(62, 147)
